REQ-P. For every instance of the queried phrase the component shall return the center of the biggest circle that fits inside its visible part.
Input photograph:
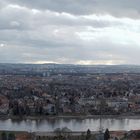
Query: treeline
(7, 136)
(20, 110)
(87, 136)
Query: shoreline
(4, 117)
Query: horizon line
(24, 63)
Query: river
(75, 124)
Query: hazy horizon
(93, 32)
(22, 63)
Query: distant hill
(66, 68)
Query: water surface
(73, 124)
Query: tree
(88, 134)
(40, 110)
(106, 135)
(3, 136)
(116, 138)
(11, 136)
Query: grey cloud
(128, 8)
(22, 18)
(25, 19)
(99, 51)
(13, 18)
(51, 33)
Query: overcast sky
(70, 31)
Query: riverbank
(4, 117)
(133, 135)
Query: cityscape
(72, 90)
(69, 70)
(69, 91)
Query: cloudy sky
(70, 31)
